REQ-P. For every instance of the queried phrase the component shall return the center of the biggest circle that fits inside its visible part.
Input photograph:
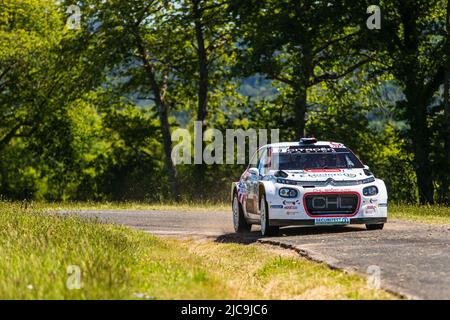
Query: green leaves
(85, 111)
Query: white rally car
(307, 183)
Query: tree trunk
(163, 115)
(202, 57)
(424, 177)
(420, 138)
(444, 196)
(202, 93)
(300, 110)
(417, 102)
(302, 77)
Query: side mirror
(254, 171)
(367, 171)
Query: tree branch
(331, 42)
(12, 133)
(284, 80)
(335, 76)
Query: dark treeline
(88, 99)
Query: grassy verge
(426, 214)
(119, 263)
(183, 206)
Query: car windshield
(323, 160)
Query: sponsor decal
(330, 190)
(350, 175)
(331, 221)
(291, 212)
(277, 206)
(293, 203)
(370, 209)
(290, 207)
(242, 192)
(324, 174)
(336, 145)
(382, 205)
(243, 199)
(326, 202)
(323, 170)
(255, 201)
(311, 150)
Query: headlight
(370, 191)
(288, 193)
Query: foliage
(86, 114)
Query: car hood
(325, 174)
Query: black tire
(378, 226)
(239, 222)
(266, 229)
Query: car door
(252, 202)
(246, 182)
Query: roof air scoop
(308, 140)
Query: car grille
(328, 182)
(331, 204)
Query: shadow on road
(253, 236)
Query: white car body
(324, 196)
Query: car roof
(283, 145)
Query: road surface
(413, 258)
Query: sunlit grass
(166, 206)
(120, 263)
(253, 273)
(427, 214)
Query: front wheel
(266, 229)
(239, 222)
(375, 226)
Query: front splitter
(311, 222)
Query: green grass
(36, 249)
(426, 214)
(183, 206)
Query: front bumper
(369, 210)
(312, 222)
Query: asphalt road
(413, 258)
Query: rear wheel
(239, 222)
(266, 229)
(378, 226)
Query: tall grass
(428, 214)
(37, 248)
